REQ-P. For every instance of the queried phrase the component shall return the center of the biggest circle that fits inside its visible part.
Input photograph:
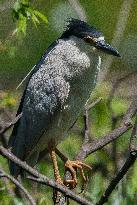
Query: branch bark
(19, 185)
(97, 144)
(129, 162)
(42, 178)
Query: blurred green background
(21, 51)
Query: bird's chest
(80, 88)
(73, 83)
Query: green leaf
(35, 20)
(41, 16)
(22, 24)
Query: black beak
(107, 48)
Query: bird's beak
(102, 45)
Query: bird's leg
(56, 194)
(61, 156)
(72, 166)
(55, 166)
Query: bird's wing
(33, 121)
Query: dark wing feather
(25, 134)
(14, 132)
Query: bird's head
(90, 35)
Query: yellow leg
(55, 166)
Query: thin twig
(133, 139)
(93, 104)
(129, 162)
(86, 127)
(10, 189)
(97, 144)
(42, 178)
(19, 185)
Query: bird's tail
(16, 145)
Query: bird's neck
(81, 45)
(81, 67)
(79, 57)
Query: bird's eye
(90, 40)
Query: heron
(55, 94)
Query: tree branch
(42, 178)
(97, 144)
(129, 162)
(18, 184)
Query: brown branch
(93, 104)
(86, 127)
(10, 189)
(42, 178)
(133, 139)
(97, 144)
(18, 184)
(100, 143)
(129, 162)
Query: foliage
(7, 100)
(22, 12)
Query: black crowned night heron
(57, 90)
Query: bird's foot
(72, 166)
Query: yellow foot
(72, 166)
(59, 181)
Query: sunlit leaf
(35, 20)
(41, 16)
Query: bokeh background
(117, 86)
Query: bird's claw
(72, 166)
